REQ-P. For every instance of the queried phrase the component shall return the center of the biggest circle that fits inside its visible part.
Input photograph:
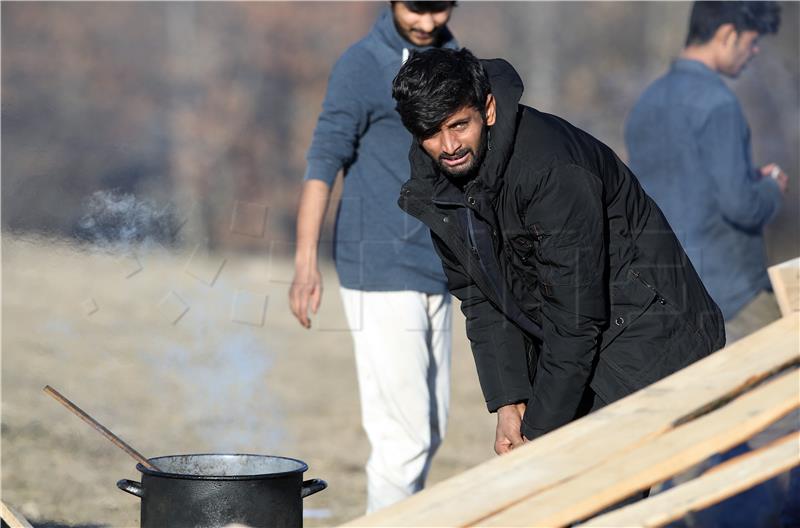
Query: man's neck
(702, 54)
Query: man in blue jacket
(689, 144)
(392, 283)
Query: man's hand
(509, 423)
(306, 289)
(305, 292)
(775, 172)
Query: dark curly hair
(707, 17)
(433, 6)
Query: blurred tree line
(207, 109)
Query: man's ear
(491, 110)
(726, 34)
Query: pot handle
(310, 487)
(131, 486)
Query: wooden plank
(657, 460)
(12, 518)
(726, 480)
(785, 279)
(539, 465)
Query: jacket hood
(386, 31)
(507, 88)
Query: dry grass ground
(235, 373)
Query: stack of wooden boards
(785, 280)
(10, 518)
(583, 468)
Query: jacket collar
(507, 89)
(693, 66)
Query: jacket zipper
(413, 208)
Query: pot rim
(182, 476)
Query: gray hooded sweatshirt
(377, 246)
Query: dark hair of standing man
(433, 6)
(434, 84)
(707, 17)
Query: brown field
(235, 373)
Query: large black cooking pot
(215, 490)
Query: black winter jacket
(568, 274)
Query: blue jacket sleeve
(570, 258)
(743, 196)
(343, 120)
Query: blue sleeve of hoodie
(343, 119)
(744, 197)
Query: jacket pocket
(629, 300)
(523, 250)
(522, 246)
(658, 345)
(657, 341)
(532, 355)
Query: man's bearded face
(420, 29)
(459, 147)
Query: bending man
(575, 289)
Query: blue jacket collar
(693, 66)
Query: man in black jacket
(575, 290)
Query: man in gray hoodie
(392, 283)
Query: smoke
(117, 220)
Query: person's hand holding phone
(774, 171)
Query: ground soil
(184, 352)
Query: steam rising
(119, 220)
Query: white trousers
(402, 346)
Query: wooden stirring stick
(117, 441)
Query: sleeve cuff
(530, 432)
(509, 399)
(538, 422)
(321, 170)
(772, 188)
